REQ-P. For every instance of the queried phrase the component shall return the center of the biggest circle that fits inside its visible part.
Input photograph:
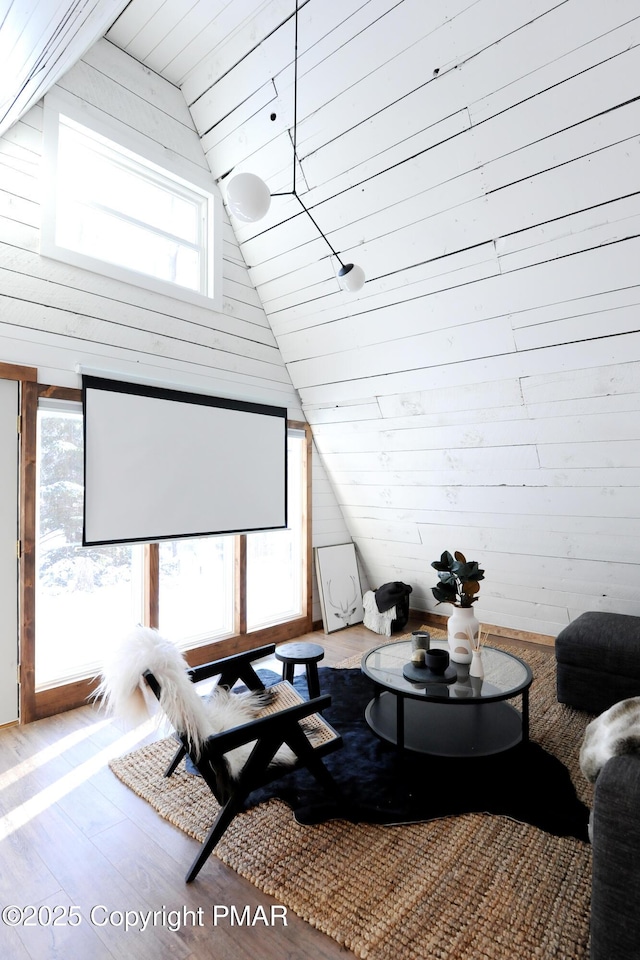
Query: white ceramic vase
(462, 625)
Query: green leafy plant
(459, 579)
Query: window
(275, 557)
(84, 597)
(113, 207)
(109, 208)
(196, 589)
(212, 595)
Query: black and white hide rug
(378, 784)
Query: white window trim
(59, 102)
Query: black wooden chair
(286, 720)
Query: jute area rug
(471, 887)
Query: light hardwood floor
(72, 836)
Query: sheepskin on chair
(124, 693)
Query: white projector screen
(161, 464)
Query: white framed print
(339, 586)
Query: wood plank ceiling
(40, 41)
(480, 159)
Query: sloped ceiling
(480, 160)
(40, 41)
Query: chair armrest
(615, 924)
(247, 732)
(237, 666)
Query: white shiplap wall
(481, 161)
(54, 316)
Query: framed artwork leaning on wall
(339, 586)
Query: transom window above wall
(110, 206)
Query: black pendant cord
(313, 221)
(295, 99)
(293, 192)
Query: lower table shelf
(447, 730)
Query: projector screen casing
(161, 464)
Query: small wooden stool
(290, 654)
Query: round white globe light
(351, 277)
(248, 197)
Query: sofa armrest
(615, 921)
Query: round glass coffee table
(467, 717)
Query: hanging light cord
(295, 98)
(293, 192)
(249, 196)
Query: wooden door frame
(25, 376)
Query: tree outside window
(85, 597)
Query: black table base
(447, 729)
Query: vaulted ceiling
(39, 41)
(480, 160)
(356, 61)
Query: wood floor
(78, 850)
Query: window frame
(294, 525)
(35, 705)
(140, 151)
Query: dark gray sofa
(615, 918)
(598, 664)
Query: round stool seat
(299, 652)
(305, 653)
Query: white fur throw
(124, 693)
(613, 733)
(373, 619)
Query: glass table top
(504, 674)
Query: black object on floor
(379, 785)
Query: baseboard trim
(438, 620)
(506, 633)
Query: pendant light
(351, 277)
(249, 198)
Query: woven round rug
(476, 886)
